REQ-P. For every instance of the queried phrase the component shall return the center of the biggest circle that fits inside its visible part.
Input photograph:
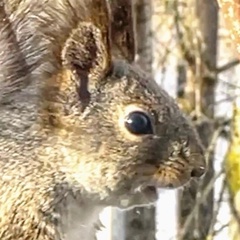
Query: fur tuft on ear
(87, 55)
(85, 58)
(87, 52)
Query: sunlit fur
(64, 150)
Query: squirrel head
(118, 135)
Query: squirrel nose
(198, 172)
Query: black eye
(138, 123)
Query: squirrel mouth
(149, 192)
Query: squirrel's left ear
(87, 51)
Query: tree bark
(123, 29)
(197, 201)
(233, 172)
(231, 14)
(143, 15)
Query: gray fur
(65, 153)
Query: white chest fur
(77, 220)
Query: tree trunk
(143, 15)
(233, 171)
(231, 13)
(123, 29)
(197, 200)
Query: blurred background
(187, 46)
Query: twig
(212, 233)
(199, 201)
(234, 211)
(227, 66)
(208, 188)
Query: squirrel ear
(87, 52)
(87, 55)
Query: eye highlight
(138, 123)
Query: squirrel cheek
(170, 177)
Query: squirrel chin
(145, 196)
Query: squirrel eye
(138, 123)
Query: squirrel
(80, 129)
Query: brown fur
(64, 150)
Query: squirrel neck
(77, 219)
